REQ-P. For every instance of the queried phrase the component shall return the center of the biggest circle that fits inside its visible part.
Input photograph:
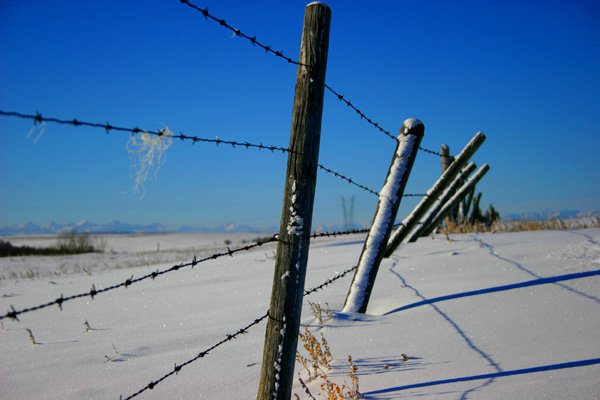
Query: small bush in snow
(318, 362)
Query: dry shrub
(522, 225)
(318, 362)
(321, 314)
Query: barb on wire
(237, 32)
(345, 178)
(269, 49)
(203, 353)
(435, 153)
(370, 121)
(14, 314)
(329, 281)
(335, 234)
(38, 118)
(339, 233)
(363, 187)
(360, 113)
(252, 39)
(228, 338)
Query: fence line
(352, 182)
(269, 49)
(329, 281)
(360, 113)
(237, 32)
(203, 353)
(435, 153)
(13, 314)
(373, 123)
(38, 119)
(230, 337)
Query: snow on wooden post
(389, 200)
(432, 194)
(427, 225)
(281, 337)
(460, 195)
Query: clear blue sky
(526, 73)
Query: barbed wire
(14, 314)
(329, 281)
(335, 234)
(362, 115)
(269, 49)
(434, 153)
(363, 187)
(349, 180)
(228, 338)
(38, 119)
(200, 355)
(237, 32)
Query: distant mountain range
(118, 227)
(549, 214)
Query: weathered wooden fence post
(285, 309)
(422, 229)
(476, 213)
(467, 204)
(459, 196)
(446, 160)
(410, 136)
(432, 194)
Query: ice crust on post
(296, 221)
(389, 201)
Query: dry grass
(321, 314)
(521, 225)
(317, 363)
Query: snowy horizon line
(117, 226)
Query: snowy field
(486, 316)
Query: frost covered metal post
(458, 197)
(281, 338)
(434, 193)
(423, 229)
(409, 139)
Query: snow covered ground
(486, 316)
